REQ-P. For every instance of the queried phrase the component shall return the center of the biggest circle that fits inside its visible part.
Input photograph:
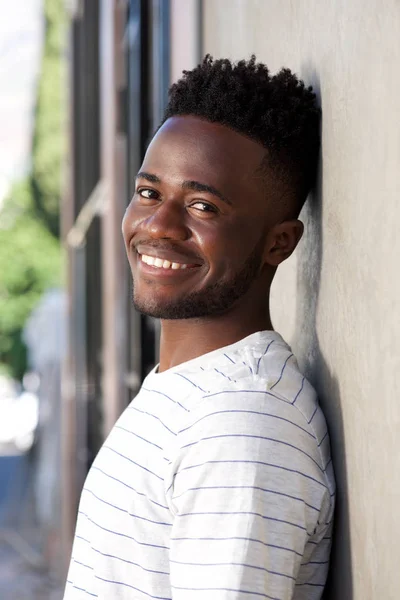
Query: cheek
(226, 248)
(131, 221)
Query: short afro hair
(277, 111)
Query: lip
(188, 259)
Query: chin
(194, 306)
(160, 305)
(155, 307)
(159, 312)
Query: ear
(282, 239)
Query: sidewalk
(20, 578)
(23, 571)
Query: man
(216, 482)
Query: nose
(167, 221)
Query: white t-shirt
(216, 483)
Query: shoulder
(263, 373)
(258, 390)
(252, 414)
(251, 436)
(255, 409)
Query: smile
(160, 263)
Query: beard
(213, 300)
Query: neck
(183, 340)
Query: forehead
(189, 148)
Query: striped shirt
(215, 483)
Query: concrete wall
(337, 299)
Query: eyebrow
(196, 186)
(148, 176)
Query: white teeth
(160, 263)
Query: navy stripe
(300, 390)
(94, 468)
(82, 564)
(326, 433)
(130, 562)
(122, 534)
(231, 564)
(250, 412)
(260, 437)
(83, 590)
(227, 377)
(262, 356)
(86, 491)
(208, 539)
(248, 366)
(257, 462)
(320, 542)
(82, 538)
(138, 436)
(195, 385)
(124, 510)
(165, 395)
(229, 358)
(174, 587)
(245, 487)
(133, 462)
(151, 415)
(132, 588)
(315, 562)
(248, 392)
(280, 376)
(149, 520)
(327, 464)
(243, 513)
(316, 408)
(312, 584)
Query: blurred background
(33, 146)
(83, 85)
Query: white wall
(185, 34)
(337, 299)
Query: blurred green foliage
(30, 254)
(48, 143)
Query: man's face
(196, 226)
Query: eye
(204, 206)
(148, 193)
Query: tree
(48, 141)
(30, 254)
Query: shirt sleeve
(245, 490)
